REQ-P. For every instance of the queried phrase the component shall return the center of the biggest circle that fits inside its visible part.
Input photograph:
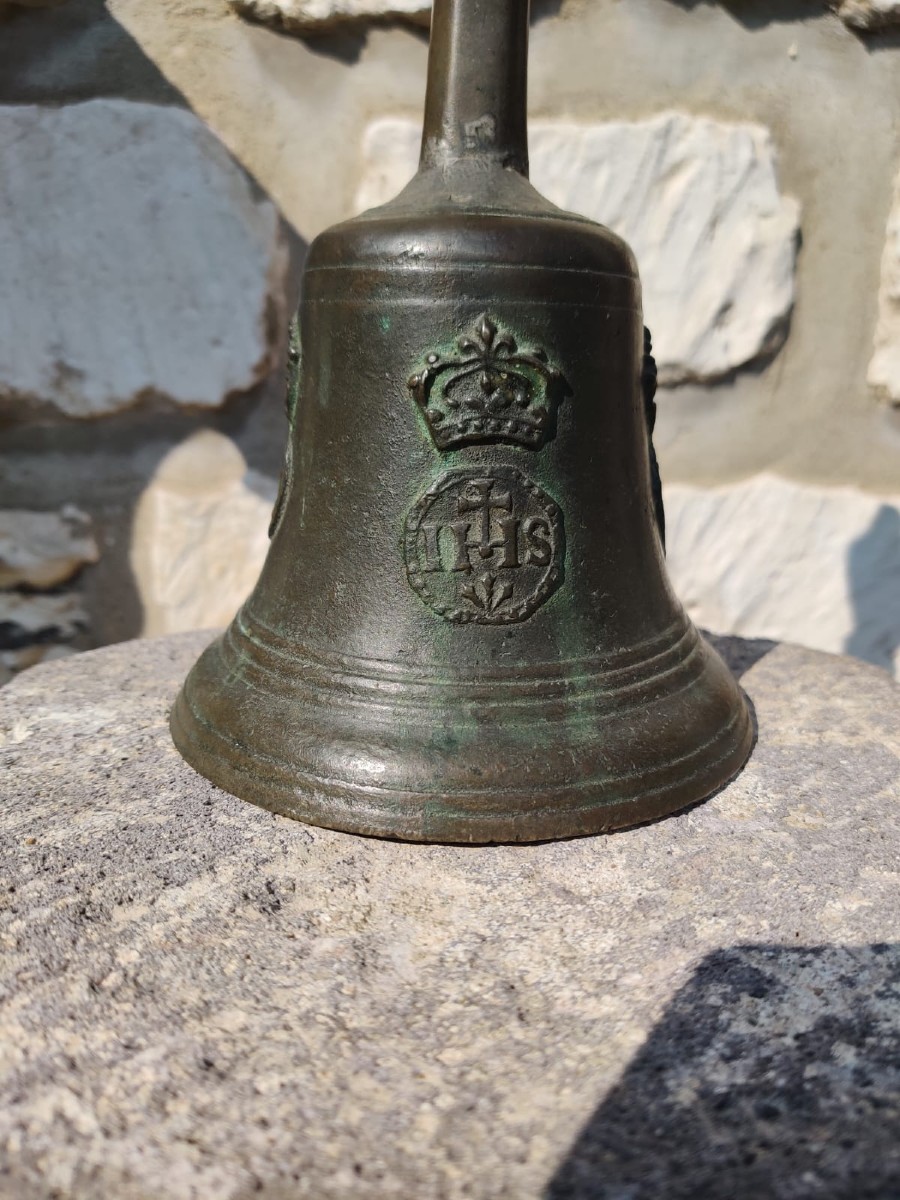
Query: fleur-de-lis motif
(485, 593)
(487, 346)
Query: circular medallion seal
(485, 546)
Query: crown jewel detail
(492, 391)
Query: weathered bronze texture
(464, 631)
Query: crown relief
(490, 392)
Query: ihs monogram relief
(485, 547)
(491, 391)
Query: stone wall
(165, 166)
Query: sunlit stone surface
(143, 266)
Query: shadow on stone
(740, 653)
(756, 14)
(884, 39)
(81, 47)
(775, 1072)
(546, 8)
(873, 577)
(346, 45)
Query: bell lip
(588, 807)
(421, 821)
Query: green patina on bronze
(464, 631)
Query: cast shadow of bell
(873, 579)
(774, 1073)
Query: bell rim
(587, 806)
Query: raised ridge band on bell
(367, 681)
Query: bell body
(464, 631)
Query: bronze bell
(464, 631)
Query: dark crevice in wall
(756, 14)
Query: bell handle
(477, 98)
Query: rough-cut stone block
(324, 16)
(43, 550)
(28, 618)
(200, 535)
(141, 263)
(870, 14)
(202, 1001)
(884, 370)
(769, 558)
(698, 201)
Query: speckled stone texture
(201, 1000)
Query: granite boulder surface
(199, 999)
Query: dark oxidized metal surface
(464, 630)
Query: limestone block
(870, 14)
(884, 369)
(774, 559)
(324, 16)
(697, 200)
(43, 550)
(202, 1001)
(31, 618)
(142, 264)
(200, 535)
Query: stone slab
(201, 1000)
(884, 369)
(768, 557)
(44, 549)
(200, 535)
(27, 617)
(145, 266)
(325, 16)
